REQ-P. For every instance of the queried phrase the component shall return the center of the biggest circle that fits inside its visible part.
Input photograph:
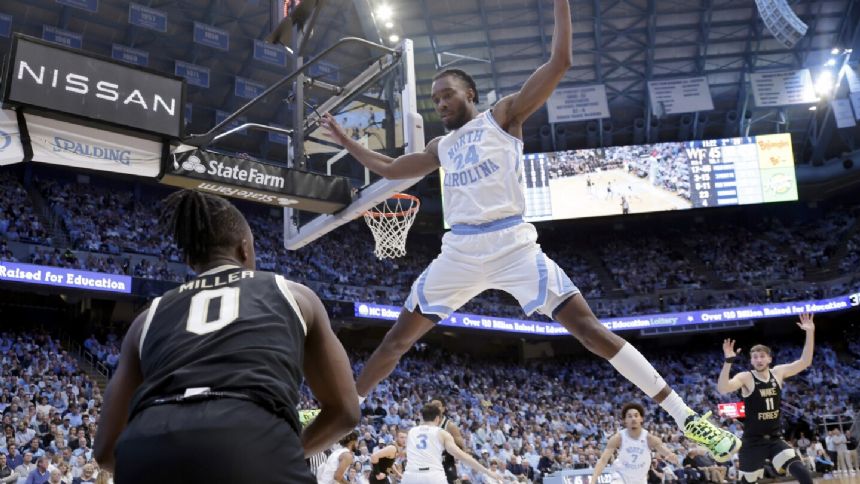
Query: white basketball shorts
(502, 255)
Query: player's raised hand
(806, 323)
(333, 129)
(729, 348)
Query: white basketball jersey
(326, 475)
(483, 168)
(634, 458)
(424, 449)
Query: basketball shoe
(721, 443)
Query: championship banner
(61, 143)
(11, 150)
(257, 182)
(66, 81)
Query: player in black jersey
(382, 461)
(761, 389)
(208, 379)
(448, 461)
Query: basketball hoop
(389, 221)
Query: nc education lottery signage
(61, 277)
(474, 321)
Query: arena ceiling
(619, 43)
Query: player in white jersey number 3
(424, 446)
(489, 246)
(634, 445)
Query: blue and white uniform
(489, 245)
(634, 458)
(424, 456)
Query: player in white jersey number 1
(424, 446)
(634, 445)
(489, 246)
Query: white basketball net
(390, 222)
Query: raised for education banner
(62, 277)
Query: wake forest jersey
(230, 329)
(483, 169)
(762, 408)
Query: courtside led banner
(776, 310)
(61, 277)
(67, 81)
(68, 144)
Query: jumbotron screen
(659, 177)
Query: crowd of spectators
(647, 273)
(532, 419)
(18, 220)
(50, 410)
(525, 420)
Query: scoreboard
(741, 171)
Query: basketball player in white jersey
(490, 246)
(634, 445)
(424, 446)
(338, 462)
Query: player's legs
(450, 281)
(576, 316)
(751, 461)
(786, 460)
(210, 442)
(540, 285)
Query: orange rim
(373, 212)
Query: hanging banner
(68, 144)
(148, 18)
(843, 113)
(247, 89)
(62, 37)
(211, 36)
(782, 88)
(578, 104)
(11, 150)
(193, 74)
(130, 56)
(674, 96)
(273, 54)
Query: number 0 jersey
(230, 329)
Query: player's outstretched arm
(513, 110)
(118, 395)
(407, 166)
(328, 374)
(735, 383)
(790, 369)
(460, 455)
(612, 445)
(657, 444)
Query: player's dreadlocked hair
(201, 223)
(463, 76)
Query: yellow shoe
(721, 443)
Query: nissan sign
(62, 80)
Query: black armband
(730, 359)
